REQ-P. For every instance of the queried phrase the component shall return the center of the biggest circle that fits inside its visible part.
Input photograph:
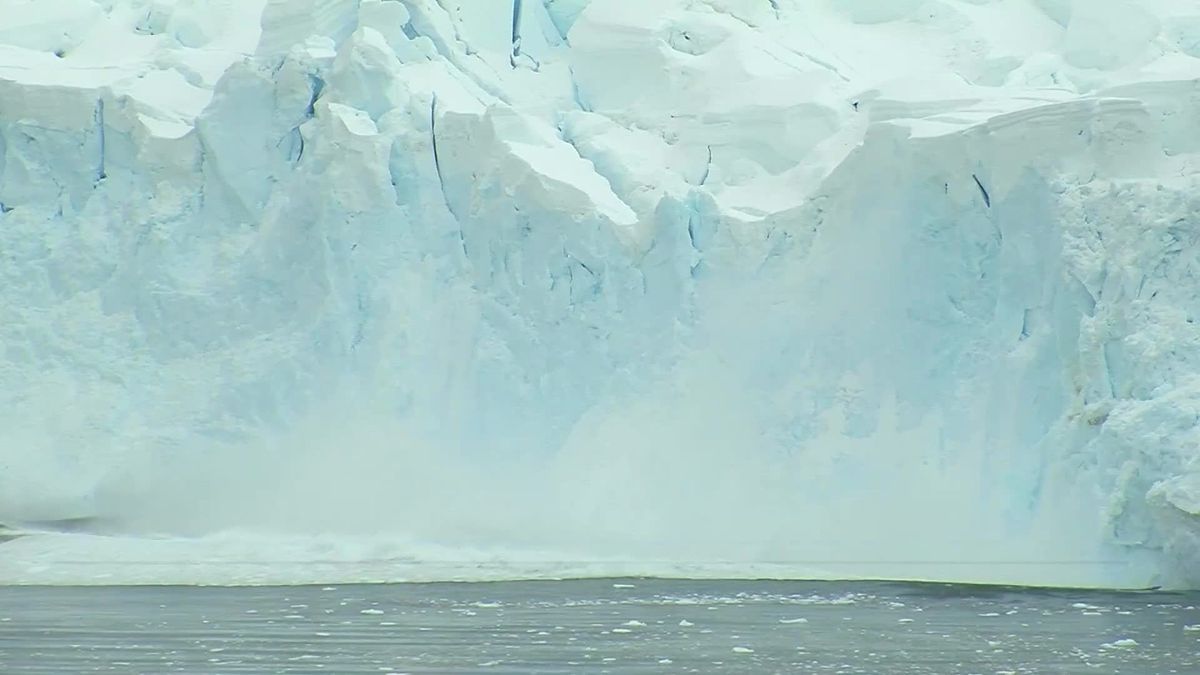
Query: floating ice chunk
(1124, 643)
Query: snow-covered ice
(826, 288)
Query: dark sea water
(596, 626)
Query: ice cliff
(900, 288)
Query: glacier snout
(715, 286)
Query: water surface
(596, 626)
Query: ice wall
(875, 288)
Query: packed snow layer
(831, 288)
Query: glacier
(311, 290)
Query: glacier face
(848, 287)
